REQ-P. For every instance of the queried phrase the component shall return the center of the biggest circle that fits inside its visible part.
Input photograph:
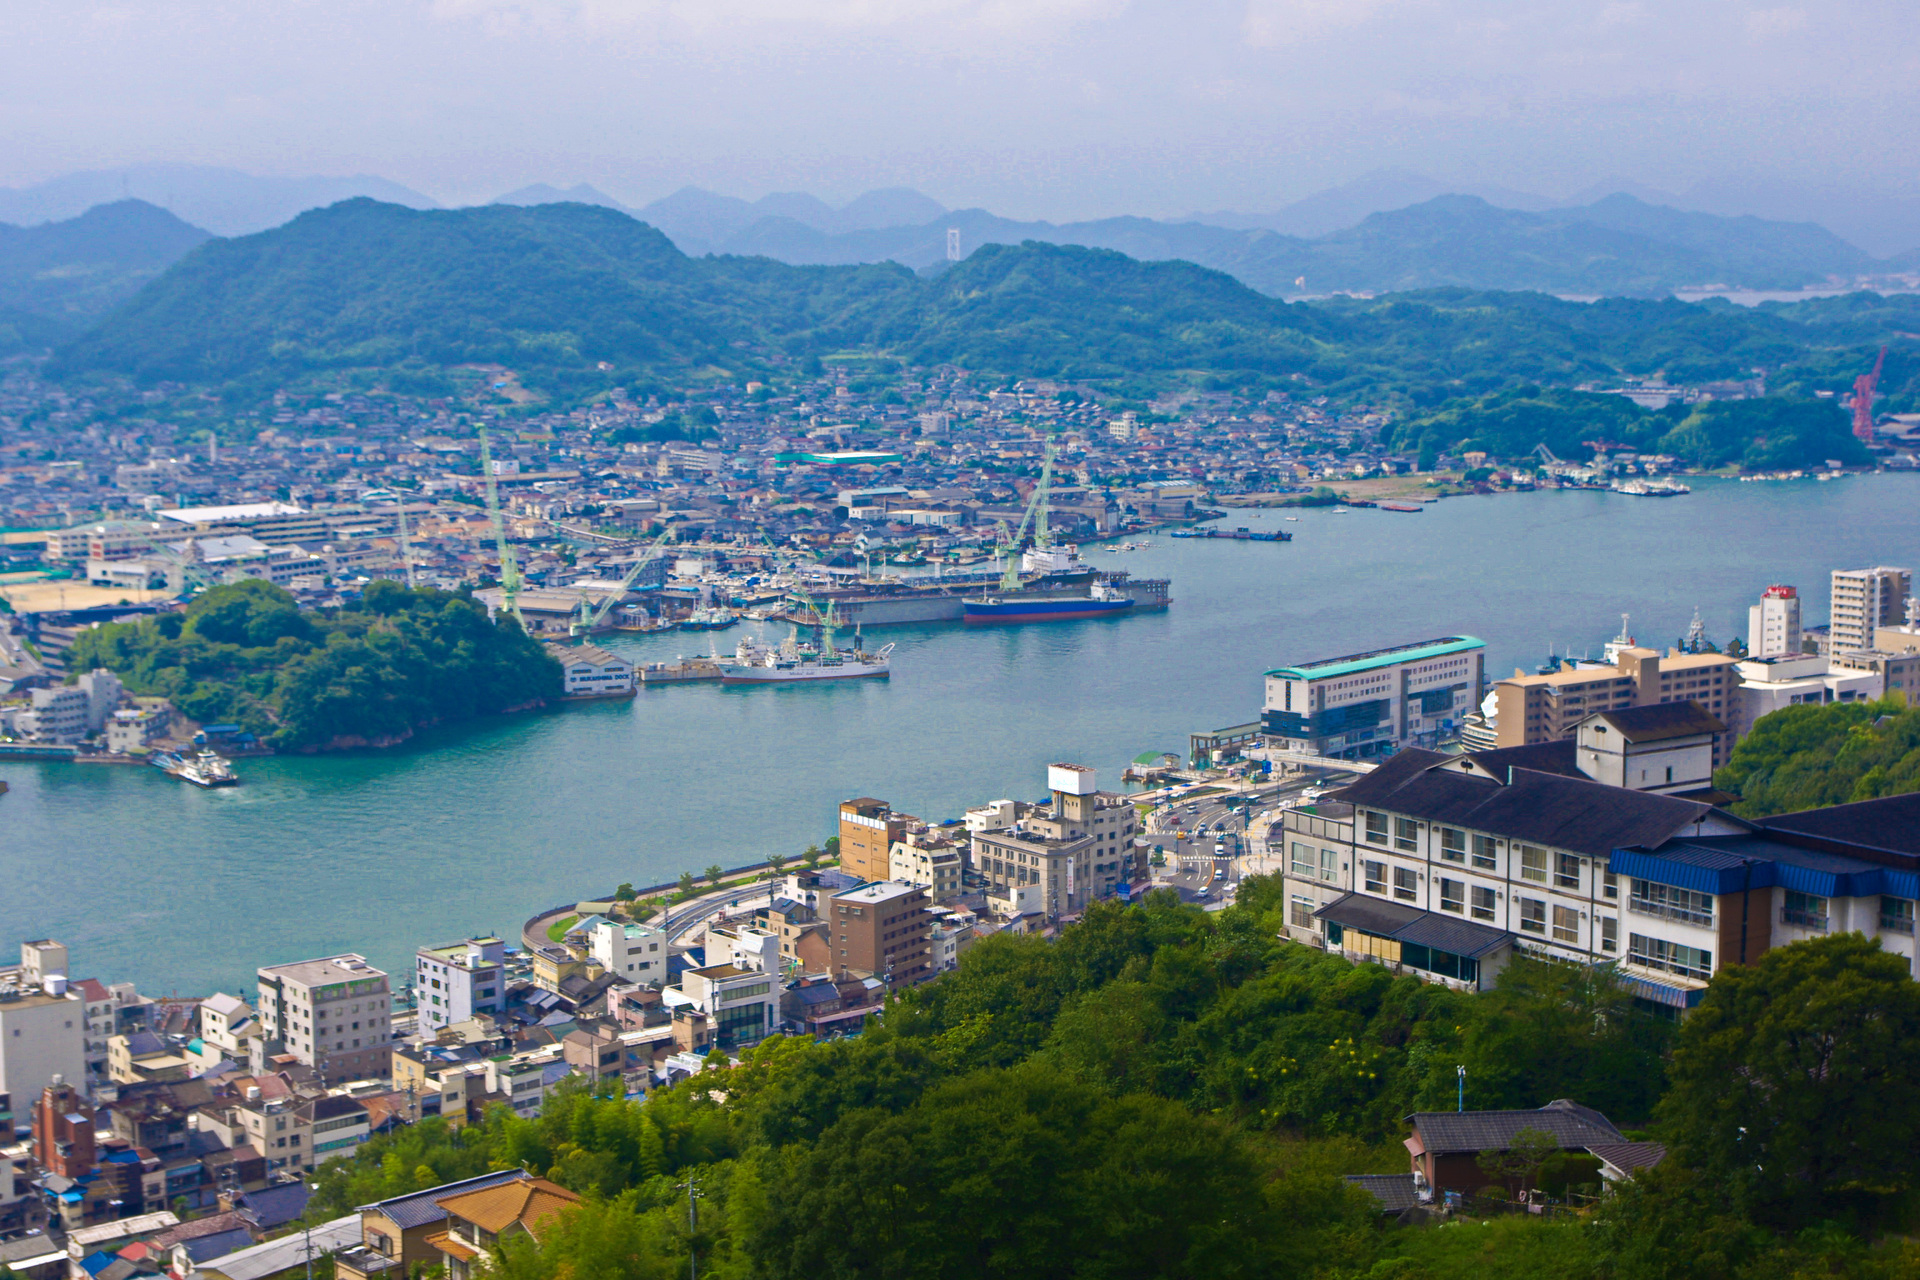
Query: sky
(1034, 108)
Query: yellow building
(1547, 708)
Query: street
(1207, 844)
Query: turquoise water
(474, 828)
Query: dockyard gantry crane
(1043, 537)
(586, 621)
(509, 571)
(1864, 387)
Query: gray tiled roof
(1891, 823)
(1567, 813)
(1571, 1124)
(1663, 720)
(418, 1209)
(1394, 1191)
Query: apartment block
(630, 951)
(459, 981)
(43, 1038)
(1075, 850)
(1865, 600)
(928, 858)
(868, 830)
(1369, 704)
(334, 1014)
(1773, 625)
(1545, 708)
(1769, 684)
(881, 930)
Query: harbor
(531, 808)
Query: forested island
(305, 680)
(1169, 1092)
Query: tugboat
(203, 769)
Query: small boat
(708, 619)
(1294, 519)
(204, 768)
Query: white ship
(204, 769)
(1651, 487)
(757, 663)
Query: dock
(1240, 534)
(679, 672)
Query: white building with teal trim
(1371, 704)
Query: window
(1406, 835)
(1453, 844)
(1896, 915)
(1483, 855)
(1611, 883)
(1303, 860)
(1453, 896)
(1566, 925)
(1329, 864)
(1302, 916)
(1376, 877)
(1669, 903)
(1533, 915)
(1609, 934)
(1376, 828)
(1533, 864)
(1566, 871)
(1483, 900)
(1406, 883)
(1674, 957)
(1807, 910)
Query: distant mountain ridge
(226, 202)
(58, 278)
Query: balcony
(1806, 919)
(1896, 924)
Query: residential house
(478, 1219)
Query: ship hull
(801, 675)
(995, 611)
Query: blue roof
(1736, 864)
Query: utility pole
(1460, 1075)
(693, 1225)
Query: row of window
(1541, 866)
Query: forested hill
(555, 291)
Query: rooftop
(244, 511)
(1571, 1125)
(879, 891)
(347, 967)
(1373, 660)
(1662, 721)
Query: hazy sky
(1050, 108)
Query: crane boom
(1864, 387)
(591, 622)
(509, 571)
(1010, 580)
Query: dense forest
(1811, 756)
(1168, 1092)
(246, 654)
(555, 291)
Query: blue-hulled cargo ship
(1101, 602)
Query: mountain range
(579, 297)
(58, 278)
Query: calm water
(472, 829)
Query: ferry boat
(203, 769)
(1101, 601)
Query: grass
(558, 929)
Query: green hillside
(554, 291)
(58, 278)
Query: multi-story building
(1773, 625)
(928, 858)
(1668, 748)
(1368, 704)
(334, 1014)
(63, 1131)
(43, 1026)
(868, 830)
(592, 672)
(631, 952)
(1444, 865)
(741, 1005)
(1531, 709)
(280, 1128)
(102, 540)
(1863, 601)
(880, 930)
(1078, 849)
(459, 981)
(266, 521)
(1768, 684)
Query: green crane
(589, 621)
(509, 569)
(1039, 502)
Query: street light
(1460, 1075)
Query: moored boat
(1102, 601)
(203, 769)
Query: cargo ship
(1101, 601)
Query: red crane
(1863, 389)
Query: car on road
(1219, 873)
(1219, 849)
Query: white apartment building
(335, 1014)
(1773, 625)
(632, 952)
(1769, 684)
(1367, 704)
(1865, 600)
(459, 981)
(927, 858)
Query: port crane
(590, 620)
(1864, 387)
(1042, 536)
(509, 569)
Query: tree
(625, 893)
(811, 857)
(686, 882)
(714, 872)
(1520, 1161)
(777, 861)
(1796, 1083)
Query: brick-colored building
(881, 930)
(1547, 708)
(868, 830)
